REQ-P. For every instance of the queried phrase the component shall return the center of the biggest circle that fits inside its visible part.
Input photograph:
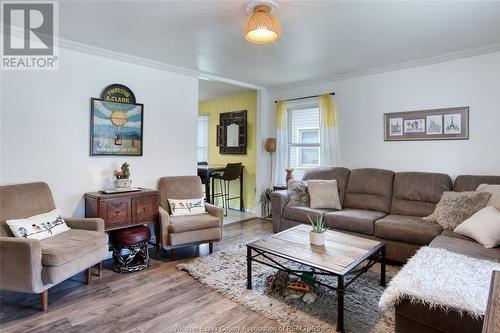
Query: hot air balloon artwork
(116, 128)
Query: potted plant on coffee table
(317, 234)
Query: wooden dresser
(122, 210)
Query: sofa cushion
(453, 234)
(341, 175)
(484, 227)
(300, 214)
(298, 193)
(356, 220)
(324, 194)
(408, 229)
(369, 189)
(466, 247)
(456, 207)
(416, 193)
(70, 245)
(471, 183)
(192, 222)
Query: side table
(123, 210)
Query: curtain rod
(299, 98)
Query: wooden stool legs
(44, 300)
(100, 269)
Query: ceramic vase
(123, 183)
(317, 239)
(289, 175)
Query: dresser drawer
(117, 212)
(145, 209)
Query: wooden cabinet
(124, 210)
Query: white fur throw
(443, 279)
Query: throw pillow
(180, 207)
(484, 227)
(456, 207)
(324, 194)
(298, 193)
(495, 194)
(39, 226)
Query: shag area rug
(444, 279)
(225, 271)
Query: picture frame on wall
(433, 124)
(116, 129)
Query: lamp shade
(270, 145)
(262, 27)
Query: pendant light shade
(262, 27)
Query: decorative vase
(289, 175)
(123, 183)
(316, 239)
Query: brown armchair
(32, 265)
(179, 231)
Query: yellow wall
(213, 108)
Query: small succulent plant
(318, 224)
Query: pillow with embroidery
(39, 226)
(179, 207)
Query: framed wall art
(435, 124)
(116, 129)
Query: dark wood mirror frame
(226, 119)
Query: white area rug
(444, 279)
(225, 271)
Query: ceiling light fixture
(261, 26)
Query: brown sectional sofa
(389, 206)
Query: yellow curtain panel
(327, 110)
(281, 115)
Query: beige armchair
(179, 231)
(32, 265)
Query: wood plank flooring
(159, 299)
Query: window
(303, 138)
(202, 138)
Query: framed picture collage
(435, 124)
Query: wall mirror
(232, 132)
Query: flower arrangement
(123, 173)
(122, 176)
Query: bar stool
(232, 172)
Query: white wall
(45, 126)
(361, 102)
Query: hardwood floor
(159, 299)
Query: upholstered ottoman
(135, 240)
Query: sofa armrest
(93, 224)
(21, 265)
(279, 199)
(164, 222)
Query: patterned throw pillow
(298, 193)
(456, 207)
(39, 226)
(180, 207)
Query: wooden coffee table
(343, 256)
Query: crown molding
(106, 53)
(390, 68)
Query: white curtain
(281, 164)
(329, 151)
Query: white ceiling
(216, 89)
(320, 39)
